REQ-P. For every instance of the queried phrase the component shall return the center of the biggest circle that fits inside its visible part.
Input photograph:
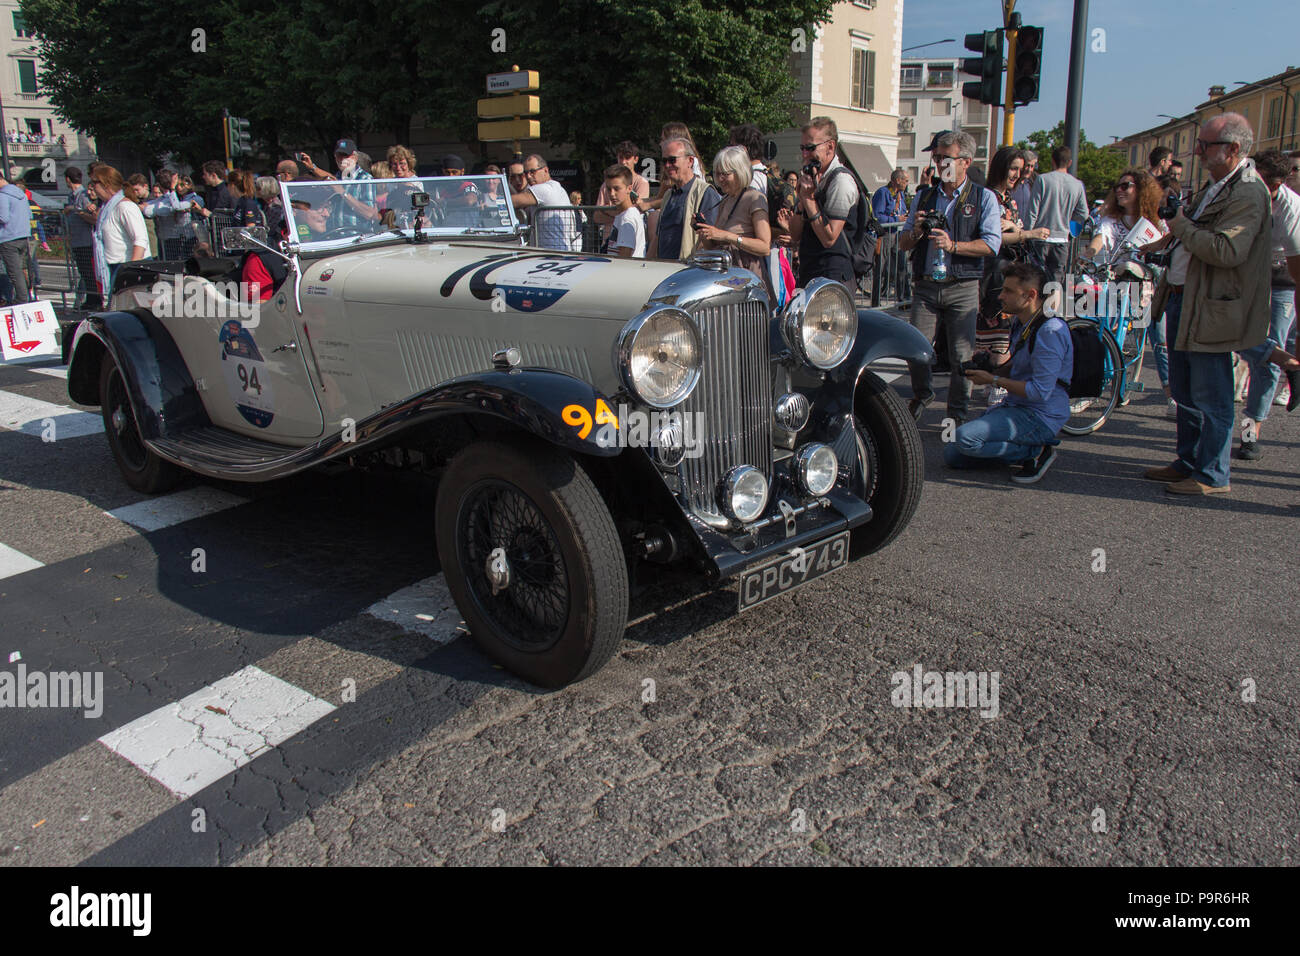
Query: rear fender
(157, 379)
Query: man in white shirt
(553, 230)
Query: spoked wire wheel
(513, 564)
(1089, 413)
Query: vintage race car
(586, 417)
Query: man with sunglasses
(688, 198)
(554, 230)
(826, 199)
(1216, 300)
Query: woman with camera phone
(1022, 429)
(742, 225)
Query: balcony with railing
(910, 77)
(54, 148)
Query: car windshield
(334, 213)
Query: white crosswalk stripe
(426, 607)
(194, 742)
(59, 371)
(156, 513)
(29, 416)
(15, 562)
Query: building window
(940, 107)
(1133, 156)
(907, 146)
(33, 126)
(1178, 143)
(941, 74)
(20, 26)
(915, 173)
(1274, 119)
(864, 79)
(977, 114)
(911, 74)
(26, 76)
(907, 107)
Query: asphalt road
(1145, 714)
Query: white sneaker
(1171, 408)
(1283, 393)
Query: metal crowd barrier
(891, 279)
(574, 225)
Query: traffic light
(241, 139)
(987, 66)
(1029, 65)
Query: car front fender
(534, 400)
(880, 335)
(157, 379)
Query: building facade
(930, 102)
(1270, 105)
(38, 143)
(848, 70)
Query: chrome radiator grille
(734, 399)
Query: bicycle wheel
(1089, 413)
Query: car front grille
(734, 399)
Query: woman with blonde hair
(120, 234)
(742, 224)
(401, 163)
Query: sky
(1161, 56)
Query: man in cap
(357, 204)
(459, 200)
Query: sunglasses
(1203, 145)
(1123, 186)
(674, 160)
(811, 146)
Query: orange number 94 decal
(581, 419)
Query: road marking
(15, 562)
(59, 371)
(191, 744)
(426, 607)
(27, 415)
(157, 513)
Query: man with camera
(953, 226)
(1216, 300)
(1023, 427)
(827, 194)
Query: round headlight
(668, 444)
(659, 354)
(821, 323)
(815, 469)
(744, 494)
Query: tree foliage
(1099, 168)
(309, 71)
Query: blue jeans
(1263, 373)
(1202, 386)
(1006, 433)
(1156, 336)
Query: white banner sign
(29, 329)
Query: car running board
(220, 453)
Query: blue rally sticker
(244, 371)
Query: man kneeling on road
(1023, 428)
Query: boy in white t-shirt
(627, 235)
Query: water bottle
(940, 273)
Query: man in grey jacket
(15, 230)
(1056, 199)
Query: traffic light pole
(225, 137)
(1074, 95)
(1010, 24)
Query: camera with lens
(931, 220)
(1173, 202)
(981, 361)
(811, 170)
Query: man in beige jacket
(1216, 301)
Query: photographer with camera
(1216, 300)
(953, 226)
(1024, 426)
(827, 194)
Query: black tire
(564, 610)
(1089, 414)
(890, 446)
(140, 466)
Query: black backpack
(1089, 360)
(780, 195)
(863, 229)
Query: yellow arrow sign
(521, 105)
(503, 131)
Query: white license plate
(791, 569)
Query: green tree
(1098, 167)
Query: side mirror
(244, 237)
